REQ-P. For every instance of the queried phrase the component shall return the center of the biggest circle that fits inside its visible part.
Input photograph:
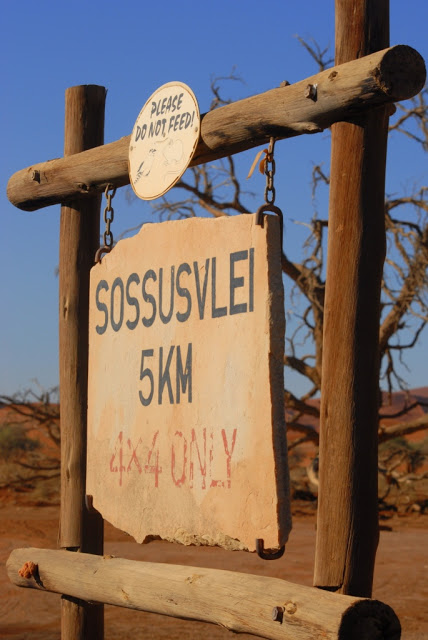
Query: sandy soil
(401, 577)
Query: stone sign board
(186, 430)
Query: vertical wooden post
(79, 240)
(347, 529)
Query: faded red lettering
(228, 455)
(134, 458)
(213, 483)
(154, 468)
(204, 458)
(202, 465)
(179, 481)
(121, 467)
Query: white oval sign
(163, 140)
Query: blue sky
(132, 48)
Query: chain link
(269, 173)
(109, 216)
(110, 192)
(269, 170)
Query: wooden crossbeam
(244, 603)
(309, 106)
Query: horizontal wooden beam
(341, 93)
(244, 603)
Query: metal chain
(269, 173)
(110, 192)
(269, 170)
(109, 216)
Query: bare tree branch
(316, 53)
(415, 115)
(403, 428)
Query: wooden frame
(244, 603)
(342, 93)
(355, 94)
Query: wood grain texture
(79, 239)
(347, 528)
(343, 93)
(240, 602)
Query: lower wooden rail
(244, 603)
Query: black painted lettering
(166, 318)
(184, 376)
(164, 375)
(236, 282)
(117, 284)
(201, 296)
(180, 99)
(132, 301)
(185, 120)
(150, 274)
(171, 123)
(216, 312)
(183, 292)
(101, 306)
(146, 373)
(251, 278)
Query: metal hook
(274, 209)
(100, 251)
(267, 554)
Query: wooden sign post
(186, 432)
(347, 525)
